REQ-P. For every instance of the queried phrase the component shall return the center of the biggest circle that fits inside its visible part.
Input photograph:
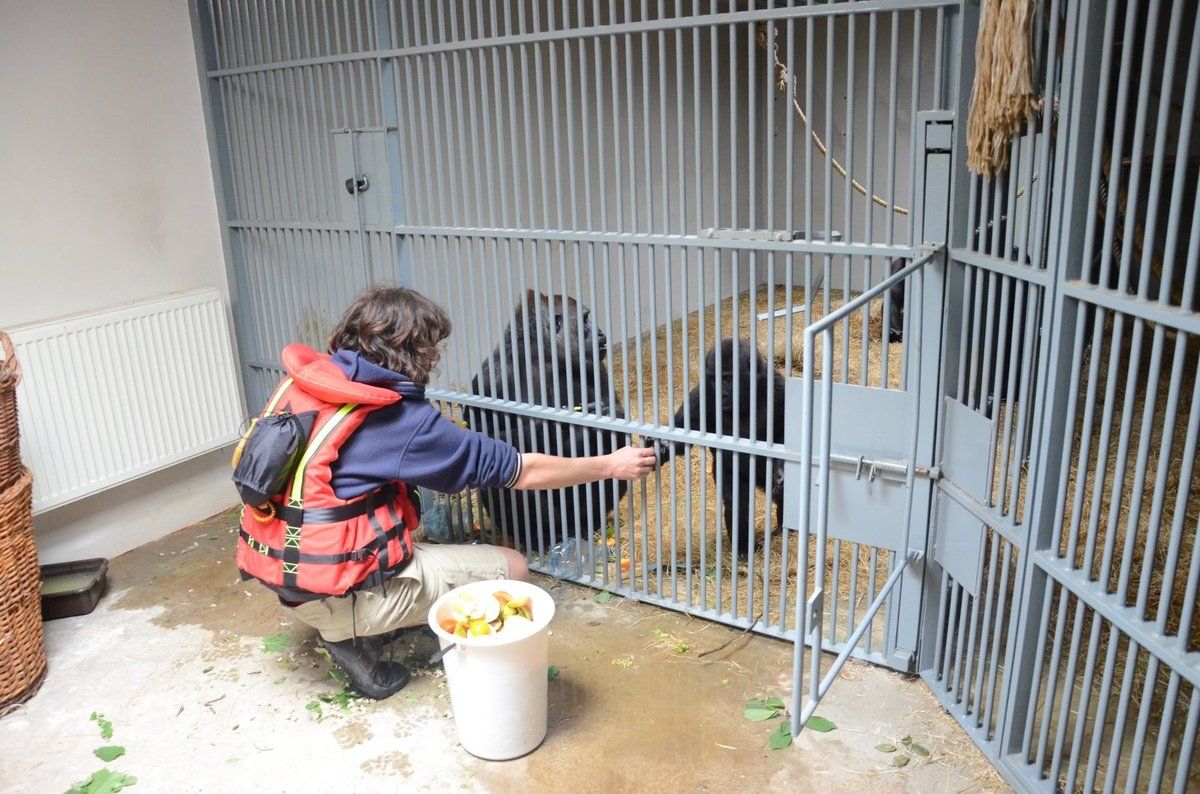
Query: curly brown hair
(396, 328)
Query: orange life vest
(307, 543)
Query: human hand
(631, 463)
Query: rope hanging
(1002, 98)
(783, 78)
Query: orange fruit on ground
(612, 542)
(624, 563)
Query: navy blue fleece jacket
(414, 443)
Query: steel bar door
(1062, 595)
(601, 193)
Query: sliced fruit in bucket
(467, 608)
(470, 615)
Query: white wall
(106, 196)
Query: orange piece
(448, 625)
(480, 628)
(624, 563)
(612, 542)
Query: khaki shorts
(405, 600)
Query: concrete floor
(175, 658)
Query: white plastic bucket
(498, 685)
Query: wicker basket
(10, 446)
(22, 652)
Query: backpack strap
(291, 538)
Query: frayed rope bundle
(1002, 99)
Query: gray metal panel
(868, 423)
(958, 543)
(865, 511)
(968, 448)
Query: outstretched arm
(541, 472)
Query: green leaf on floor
(105, 725)
(781, 737)
(341, 699)
(274, 643)
(820, 724)
(900, 760)
(760, 710)
(207, 669)
(103, 781)
(886, 748)
(759, 715)
(280, 679)
(917, 749)
(109, 752)
(337, 675)
(603, 597)
(552, 672)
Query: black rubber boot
(369, 675)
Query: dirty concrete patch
(390, 764)
(352, 734)
(177, 658)
(192, 576)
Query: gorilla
(549, 330)
(735, 472)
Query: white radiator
(113, 395)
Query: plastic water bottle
(565, 560)
(569, 559)
(442, 524)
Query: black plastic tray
(76, 601)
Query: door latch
(357, 184)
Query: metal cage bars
(809, 619)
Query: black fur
(733, 472)
(545, 332)
(896, 293)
